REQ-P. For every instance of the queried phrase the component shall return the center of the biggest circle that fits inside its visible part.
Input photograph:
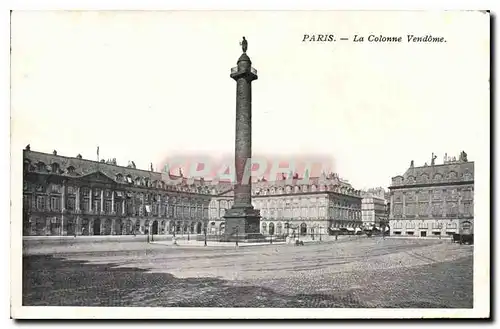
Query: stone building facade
(433, 200)
(374, 207)
(75, 196)
(304, 208)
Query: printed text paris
(411, 38)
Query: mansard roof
(437, 174)
(76, 167)
(79, 167)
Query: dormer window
(41, 166)
(55, 168)
(71, 170)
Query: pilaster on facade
(91, 195)
(444, 203)
(459, 203)
(404, 205)
(417, 205)
(77, 200)
(63, 198)
(159, 206)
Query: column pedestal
(242, 224)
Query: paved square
(356, 272)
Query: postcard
(250, 164)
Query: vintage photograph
(211, 162)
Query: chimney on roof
(27, 148)
(54, 152)
(79, 156)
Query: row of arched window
(304, 189)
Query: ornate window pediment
(70, 170)
(424, 178)
(467, 175)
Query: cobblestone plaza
(350, 272)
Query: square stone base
(242, 224)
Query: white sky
(146, 85)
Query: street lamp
(320, 232)
(205, 233)
(236, 229)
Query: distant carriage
(465, 235)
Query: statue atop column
(244, 45)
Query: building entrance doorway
(303, 229)
(271, 229)
(423, 233)
(97, 227)
(155, 227)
